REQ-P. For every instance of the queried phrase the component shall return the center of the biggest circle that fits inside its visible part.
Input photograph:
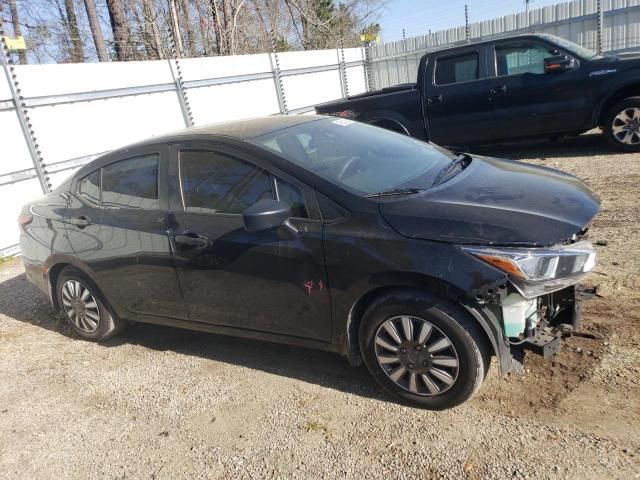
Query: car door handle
(192, 241)
(435, 99)
(81, 221)
(502, 89)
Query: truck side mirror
(559, 63)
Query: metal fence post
(176, 74)
(342, 66)
(466, 22)
(599, 26)
(22, 113)
(368, 81)
(277, 78)
(185, 108)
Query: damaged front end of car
(541, 300)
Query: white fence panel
(12, 197)
(233, 101)
(84, 128)
(14, 155)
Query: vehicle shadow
(588, 144)
(22, 301)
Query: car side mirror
(266, 214)
(559, 63)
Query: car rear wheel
(84, 307)
(622, 125)
(424, 350)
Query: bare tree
(175, 28)
(17, 32)
(77, 52)
(120, 28)
(190, 50)
(151, 34)
(96, 31)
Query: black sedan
(324, 233)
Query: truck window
(519, 59)
(457, 69)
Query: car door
(525, 100)
(271, 281)
(117, 226)
(456, 97)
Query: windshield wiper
(456, 164)
(395, 192)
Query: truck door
(456, 99)
(526, 101)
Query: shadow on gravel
(22, 301)
(583, 145)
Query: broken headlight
(536, 271)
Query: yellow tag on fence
(15, 43)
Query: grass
(4, 260)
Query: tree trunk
(217, 27)
(175, 28)
(77, 52)
(120, 28)
(227, 26)
(96, 31)
(188, 26)
(17, 32)
(152, 36)
(203, 27)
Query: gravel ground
(164, 403)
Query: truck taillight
(24, 220)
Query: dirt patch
(164, 403)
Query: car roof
(240, 129)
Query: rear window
(131, 183)
(462, 68)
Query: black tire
(469, 344)
(108, 324)
(609, 125)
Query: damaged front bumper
(555, 315)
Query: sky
(417, 17)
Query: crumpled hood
(496, 202)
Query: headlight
(536, 271)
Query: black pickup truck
(508, 89)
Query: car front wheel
(424, 350)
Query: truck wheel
(423, 350)
(84, 307)
(622, 125)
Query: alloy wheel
(416, 355)
(626, 126)
(80, 306)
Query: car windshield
(573, 47)
(358, 157)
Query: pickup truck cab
(508, 89)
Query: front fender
(622, 85)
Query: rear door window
(131, 183)
(461, 68)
